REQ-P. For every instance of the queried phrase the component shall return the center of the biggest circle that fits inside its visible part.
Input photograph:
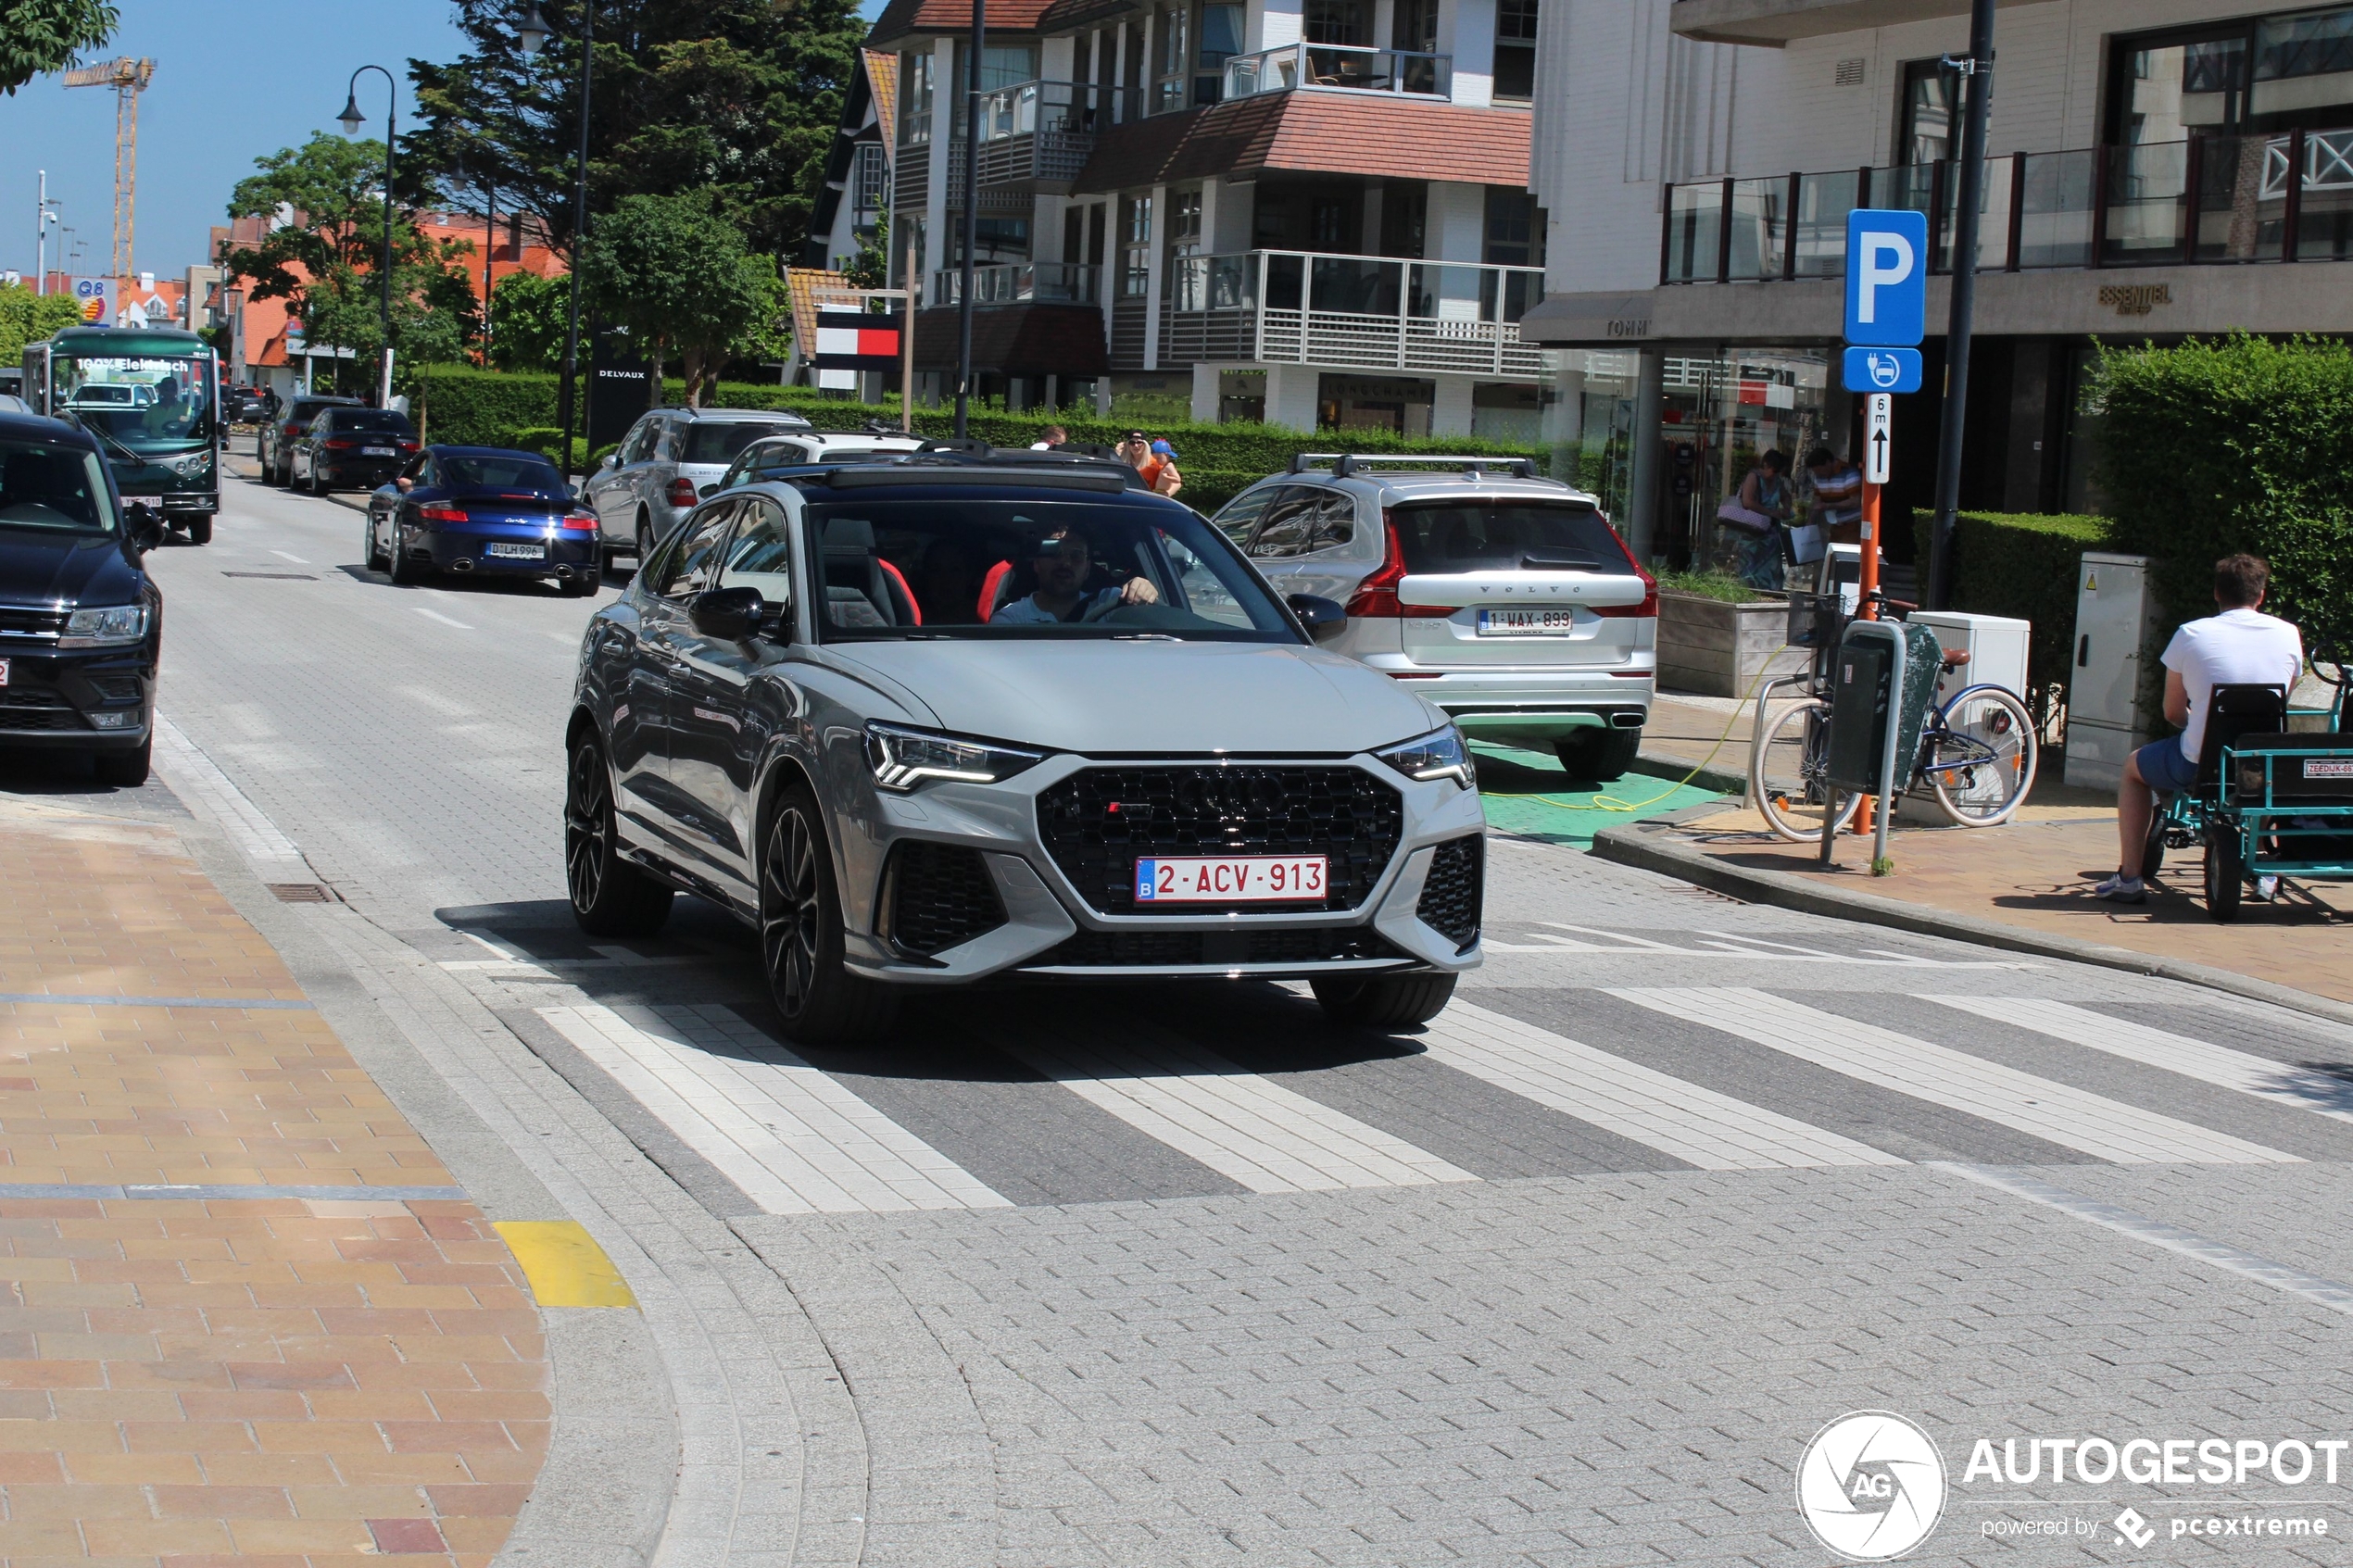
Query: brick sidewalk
(2036, 873)
(320, 1352)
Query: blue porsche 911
(483, 510)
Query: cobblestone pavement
(1142, 1275)
(250, 1316)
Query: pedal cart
(2268, 802)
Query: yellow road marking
(564, 1264)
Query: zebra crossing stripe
(1241, 1125)
(2055, 1112)
(2322, 1093)
(1698, 1127)
(793, 1139)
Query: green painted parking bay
(1528, 793)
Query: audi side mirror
(1323, 618)
(731, 615)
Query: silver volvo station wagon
(949, 719)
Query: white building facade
(2155, 168)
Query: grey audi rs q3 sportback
(943, 719)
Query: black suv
(81, 621)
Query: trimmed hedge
(2023, 565)
(2210, 448)
(490, 408)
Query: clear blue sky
(233, 82)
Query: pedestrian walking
(1758, 512)
(1050, 438)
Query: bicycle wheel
(1788, 772)
(1980, 756)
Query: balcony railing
(2283, 196)
(1019, 283)
(1354, 311)
(1040, 132)
(1340, 66)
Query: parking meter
(1883, 670)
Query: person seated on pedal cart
(2241, 644)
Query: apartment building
(2157, 168)
(1311, 211)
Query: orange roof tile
(1319, 133)
(882, 81)
(903, 16)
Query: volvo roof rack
(1346, 463)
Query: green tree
(40, 36)
(681, 280)
(26, 316)
(870, 269)
(735, 99)
(527, 315)
(322, 253)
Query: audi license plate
(1525, 622)
(378, 452)
(1230, 879)
(3, 671)
(518, 552)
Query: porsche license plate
(1525, 622)
(1230, 879)
(518, 552)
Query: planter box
(1711, 647)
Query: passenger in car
(1063, 562)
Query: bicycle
(1977, 756)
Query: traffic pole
(1878, 446)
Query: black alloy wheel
(610, 896)
(1384, 1001)
(800, 934)
(402, 567)
(372, 557)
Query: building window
(869, 184)
(914, 98)
(1172, 63)
(1924, 119)
(1134, 246)
(1184, 222)
(1003, 65)
(1515, 228)
(1221, 39)
(2259, 74)
(1515, 50)
(1339, 21)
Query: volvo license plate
(1525, 622)
(518, 552)
(1230, 879)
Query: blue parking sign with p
(1886, 277)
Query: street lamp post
(972, 215)
(45, 214)
(532, 32)
(1977, 71)
(352, 119)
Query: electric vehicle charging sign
(1886, 277)
(1880, 369)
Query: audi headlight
(1441, 754)
(903, 758)
(98, 628)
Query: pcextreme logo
(1871, 1486)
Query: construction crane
(128, 78)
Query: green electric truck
(151, 396)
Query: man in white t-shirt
(2239, 646)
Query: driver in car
(1063, 562)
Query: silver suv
(942, 721)
(1505, 599)
(657, 474)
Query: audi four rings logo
(1871, 1485)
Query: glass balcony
(1366, 312)
(2277, 196)
(1339, 68)
(1018, 282)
